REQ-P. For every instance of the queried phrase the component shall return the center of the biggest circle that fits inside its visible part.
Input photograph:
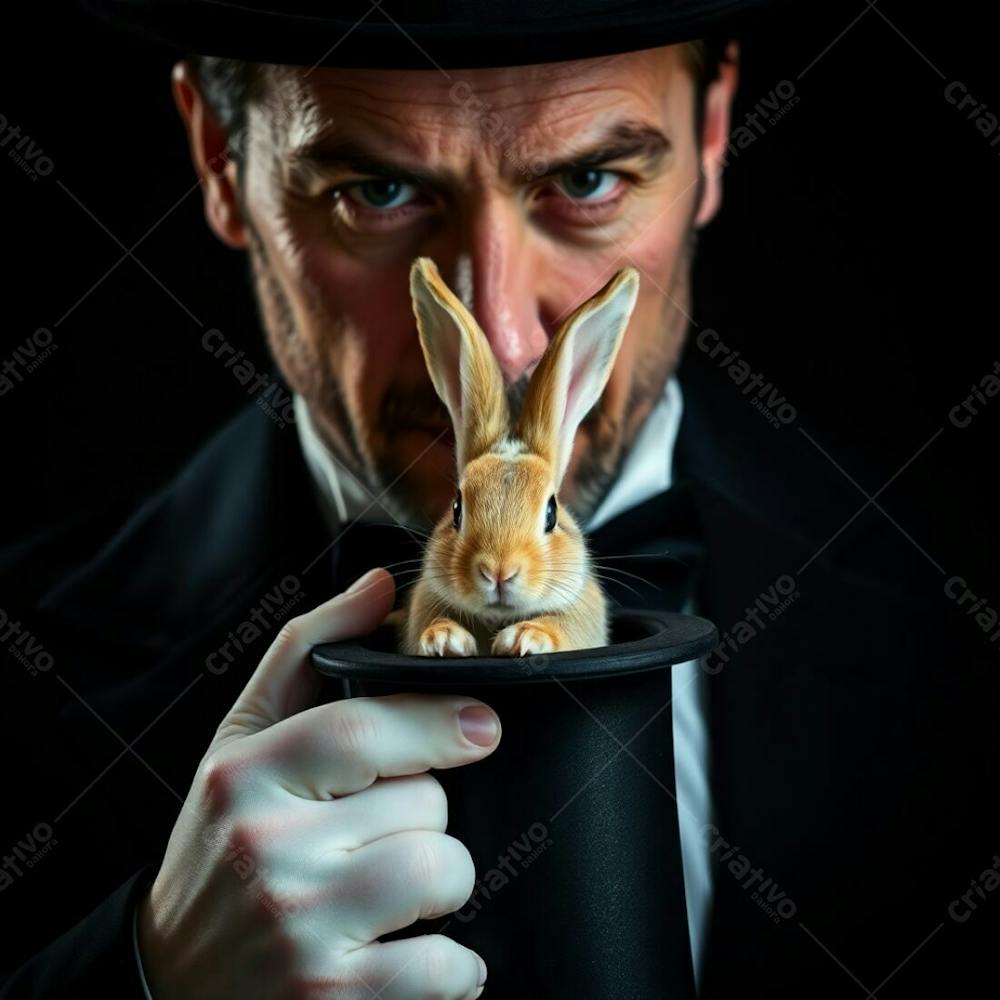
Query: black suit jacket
(853, 761)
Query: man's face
(528, 186)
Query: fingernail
(357, 585)
(482, 971)
(479, 725)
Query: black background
(853, 263)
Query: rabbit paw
(525, 639)
(444, 637)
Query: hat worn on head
(420, 34)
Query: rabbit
(507, 571)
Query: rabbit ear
(574, 370)
(460, 363)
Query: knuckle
(289, 638)
(430, 798)
(427, 861)
(354, 728)
(464, 869)
(246, 836)
(220, 780)
(449, 887)
(441, 967)
(247, 847)
(334, 984)
(459, 855)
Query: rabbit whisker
(646, 555)
(598, 575)
(402, 527)
(625, 572)
(638, 555)
(620, 583)
(596, 564)
(401, 562)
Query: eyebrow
(623, 140)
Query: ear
(210, 155)
(460, 363)
(714, 136)
(574, 370)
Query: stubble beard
(383, 477)
(600, 465)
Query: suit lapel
(159, 632)
(847, 728)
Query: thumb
(285, 682)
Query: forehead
(427, 114)
(503, 479)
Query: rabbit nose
(496, 576)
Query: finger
(388, 884)
(305, 835)
(285, 682)
(340, 748)
(431, 965)
(391, 805)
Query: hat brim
(402, 35)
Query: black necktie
(647, 556)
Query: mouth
(502, 608)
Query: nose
(506, 282)
(497, 575)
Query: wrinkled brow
(623, 140)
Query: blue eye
(382, 192)
(588, 182)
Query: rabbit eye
(456, 511)
(550, 514)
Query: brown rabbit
(507, 571)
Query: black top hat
(583, 784)
(420, 34)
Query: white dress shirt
(648, 470)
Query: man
(528, 184)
